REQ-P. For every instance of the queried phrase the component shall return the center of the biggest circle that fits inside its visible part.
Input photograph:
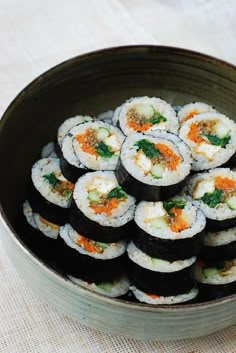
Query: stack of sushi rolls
(94, 241)
(153, 167)
(47, 206)
(215, 193)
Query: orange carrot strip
(83, 139)
(178, 223)
(86, 244)
(172, 158)
(224, 183)
(154, 296)
(52, 225)
(107, 208)
(190, 115)
(139, 126)
(193, 133)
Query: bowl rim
(53, 274)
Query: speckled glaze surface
(90, 84)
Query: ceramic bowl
(90, 84)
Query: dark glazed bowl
(90, 84)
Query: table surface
(36, 35)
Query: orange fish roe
(47, 223)
(85, 142)
(87, 245)
(107, 207)
(177, 222)
(139, 125)
(153, 296)
(190, 115)
(193, 133)
(172, 160)
(224, 183)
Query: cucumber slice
(102, 133)
(221, 129)
(94, 196)
(159, 223)
(107, 286)
(231, 202)
(159, 262)
(146, 110)
(102, 245)
(210, 271)
(157, 171)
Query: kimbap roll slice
(170, 230)
(49, 151)
(97, 145)
(113, 289)
(155, 299)
(215, 279)
(90, 260)
(190, 110)
(212, 139)
(145, 114)
(157, 276)
(100, 198)
(153, 167)
(214, 192)
(71, 166)
(219, 245)
(38, 233)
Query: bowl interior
(96, 82)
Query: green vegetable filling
(103, 150)
(117, 193)
(52, 179)
(212, 199)
(168, 205)
(217, 141)
(157, 118)
(148, 148)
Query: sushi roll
(90, 260)
(49, 150)
(66, 126)
(113, 289)
(215, 193)
(154, 299)
(103, 210)
(153, 167)
(212, 139)
(71, 166)
(170, 230)
(106, 116)
(49, 192)
(190, 110)
(219, 245)
(215, 279)
(157, 276)
(38, 233)
(145, 114)
(97, 145)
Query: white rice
(68, 148)
(219, 155)
(71, 237)
(219, 238)
(147, 211)
(195, 108)
(106, 116)
(169, 177)
(222, 210)
(47, 228)
(161, 106)
(154, 264)
(113, 289)
(160, 300)
(97, 162)
(49, 151)
(221, 277)
(47, 166)
(105, 181)
(28, 213)
(69, 123)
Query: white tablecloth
(36, 35)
